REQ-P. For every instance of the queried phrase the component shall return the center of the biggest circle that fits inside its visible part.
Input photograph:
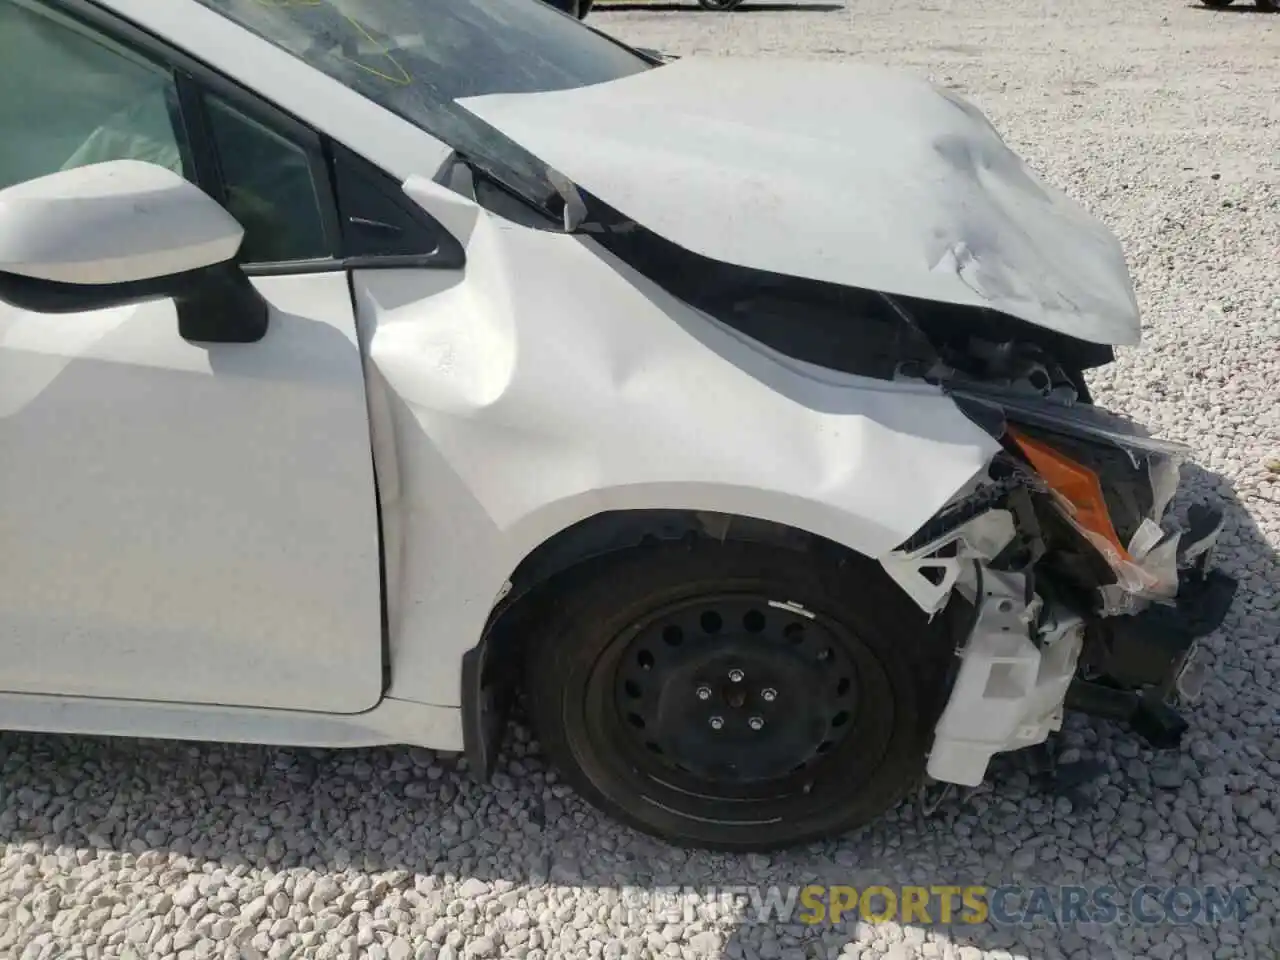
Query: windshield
(417, 57)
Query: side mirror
(121, 232)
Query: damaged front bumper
(1143, 661)
(1084, 594)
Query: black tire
(719, 4)
(1217, 4)
(584, 7)
(882, 670)
(1267, 6)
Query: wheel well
(491, 670)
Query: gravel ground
(1164, 119)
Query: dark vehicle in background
(575, 8)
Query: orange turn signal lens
(1076, 484)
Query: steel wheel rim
(784, 683)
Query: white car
(364, 363)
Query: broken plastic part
(1151, 719)
(1146, 538)
(1190, 680)
(928, 576)
(1145, 652)
(1009, 691)
(1081, 420)
(1160, 564)
(575, 209)
(932, 796)
(1147, 567)
(1115, 601)
(1081, 490)
(1204, 526)
(1165, 475)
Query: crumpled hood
(851, 174)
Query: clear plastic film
(1148, 569)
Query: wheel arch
(492, 667)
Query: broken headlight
(1109, 480)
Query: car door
(183, 521)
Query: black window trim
(194, 79)
(192, 92)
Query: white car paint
(392, 721)
(319, 101)
(189, 523)
(849, 173)
(114, 222)
(190, 536)
(505, 411)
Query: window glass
(270, 189)
(416, 57)
(69, 97)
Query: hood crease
(856, 175)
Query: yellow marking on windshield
(403, 79)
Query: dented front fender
(549, 382)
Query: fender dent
(509, 411)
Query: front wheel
(737, 696)
(1217, 4)
(719, 4)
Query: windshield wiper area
(498, 194)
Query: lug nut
(736, 675)
(756, 723)
(717, 723)
(704, 693)
(768, 694)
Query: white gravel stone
(1160, 117)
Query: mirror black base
(216, 304)
(221, 305)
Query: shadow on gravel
(608, 6)
(425, 835)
